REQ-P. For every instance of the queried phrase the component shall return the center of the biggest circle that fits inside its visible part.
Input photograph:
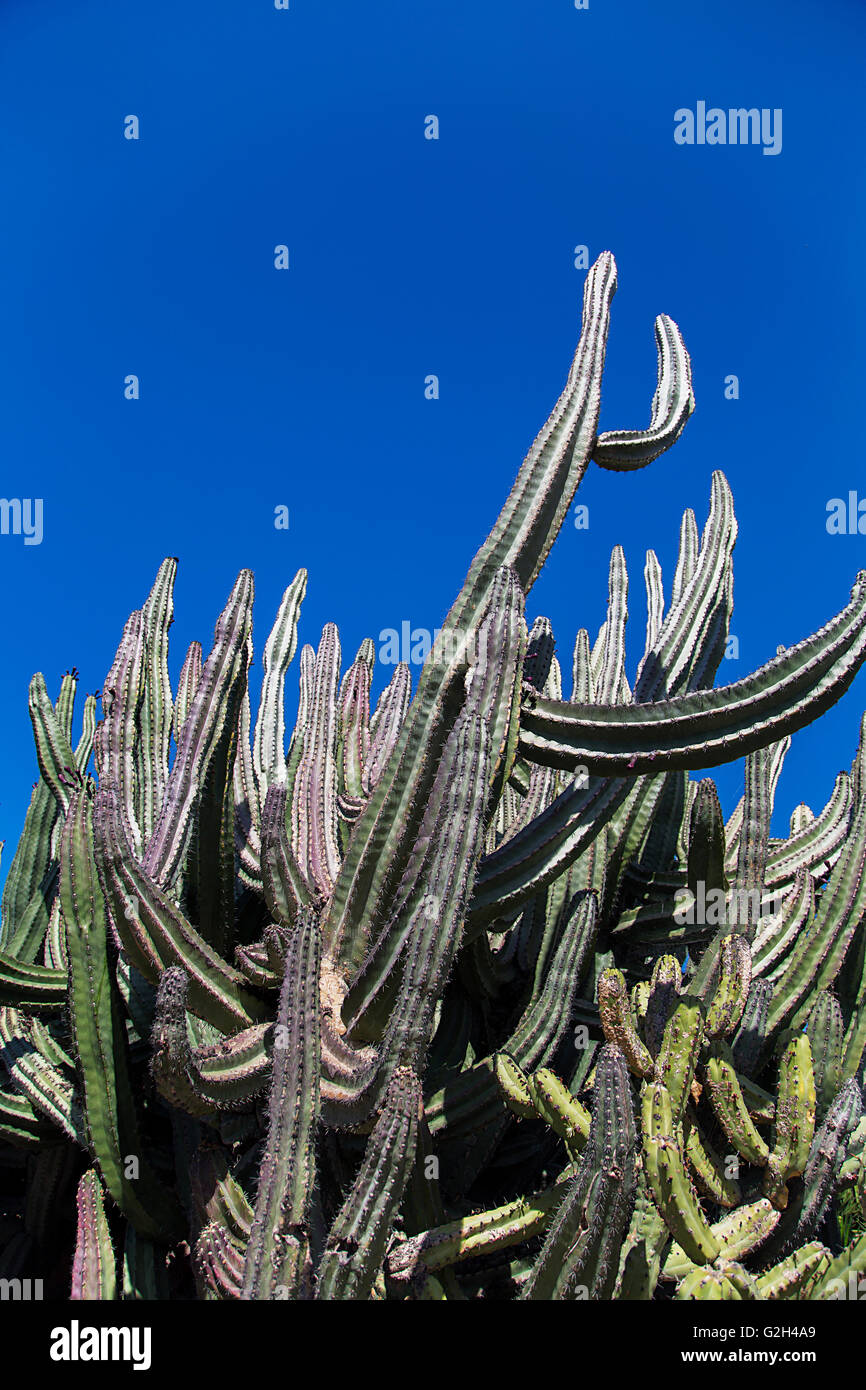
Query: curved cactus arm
(778, 753)
(47, 1044)
(256, 961)
(215, 1077)
(521, 539)
(187, 684)
(34, 988)
(94, 1264)
(739, 1233)
(706, 727)
(278, 1251)
(171, 1052)
(41, 1082)
(673, 403)
(98, 1032)
(228, 1075)
(213, 708)
(269, 757)
(155, 711)
(672, 666)
(21, 1124)
(580, 1257)
(355, 1247)
(816, 841)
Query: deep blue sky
(409, 257)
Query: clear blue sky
(409, 257)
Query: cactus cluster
(429, 1005)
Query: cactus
(425, 1001)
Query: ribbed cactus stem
(580, 1257)
(278, 1251)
